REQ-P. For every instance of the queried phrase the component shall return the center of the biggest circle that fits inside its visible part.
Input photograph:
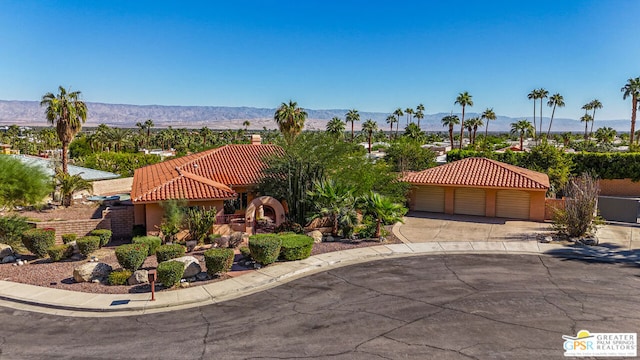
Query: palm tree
(542, 94)
(450, 121)
(586, 118)
(556, 100)
(398, 113)
(566, 138)
(352, 116)
(605, 135)
(477, 122)
(69, 185)
(148, 124)
(141, 129)
(420, 107)
(335, 126)
(369, 127)
(290, 119)
(409, 112)
(67, 112)
(488, 115)
(632, 89)
(382, 209)
(594, 104)
(390, 120)
(533, 95)
(205, 133)
(419, 115)
(522, 128)
(329, 198)
(413, 131)
(246, 124)
(464, 100)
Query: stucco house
(212, 178)
(480, 186)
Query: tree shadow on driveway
(606, 252)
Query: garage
(469, 201)
(513, 204)
(429, 198)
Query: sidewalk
(68, 303)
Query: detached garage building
(482, 187)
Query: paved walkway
(618, 243)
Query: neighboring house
(479, 186)
(48, 166)
(212, 178)
(6, 150)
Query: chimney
(256, 139)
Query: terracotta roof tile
(209, 174)
(480, 172)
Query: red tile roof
(480, 172)
(207, 175)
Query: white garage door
(429, 198)
(512, 204)
(469, 201)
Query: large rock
(139, 277)
(316, 235)
(91, 271)
(191, 266)
(8, 259)
(5, 250)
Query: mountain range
(29, 113)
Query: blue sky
(368, 55)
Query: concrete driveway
(425, 227)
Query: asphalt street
(429, 307)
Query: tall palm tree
(464, 99)
(632, 89)
(409, 112)
(586, 118)
(450, 121)
(352, 116)
(595, 104)
(369, 127)
(521, 128)
(205, 133)
(141, 130)
(398, 113)
(533, 95)
(335, 126)
(420, 107)
(419, 115)
(477, 122)
(119, 138)
(542, 94)
(556, 100)
(290, 119)
(488, 115)
(67, 112)
(246, 124)
(390, 120)
(148, 124)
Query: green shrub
(218, 260)
(152, 241)
(168, 252)
(246, 253)
(119, 277)
(265, 248)
(37, 241)
(67, 238)
(295, 247)
(59, 252)
(170, 273)
(211, 238)
(139, 230)
(11, 229)
(103, 234)
(88, 244)
(132, 256)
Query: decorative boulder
(316, 235)
(91, 271)
(139, 277)
(5, 250)
(191, 266)
(8, 259)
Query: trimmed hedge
(67, 238)
(37, 241)
(295, 247)
(103, 234)
(170, 273)
(168, 252)
(59, 252)
(218, 260)
(132, 256)
(119, 277)
(152, 241)
(265, 248)
(245, 251)
(88, 244)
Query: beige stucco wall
(619, 187)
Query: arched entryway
(274, 207)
